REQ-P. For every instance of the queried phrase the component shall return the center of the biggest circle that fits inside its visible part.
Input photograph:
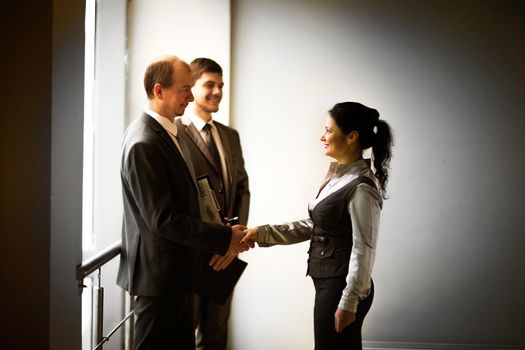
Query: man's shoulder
(142, 129)
(225, 128)
(182, 125)
(183, 120)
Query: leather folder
(217, 285)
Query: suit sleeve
(242, 197)
(164, 212)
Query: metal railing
(85, 269)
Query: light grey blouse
(364, 208)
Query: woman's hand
(343, 319)
(251, 236)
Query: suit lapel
(227, 154)
(152, 123)
(196, 138)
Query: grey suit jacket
(161, 229)
(234, 196)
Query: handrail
(88, 267)
(95, 262)
(106, 338)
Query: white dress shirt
(167, 125)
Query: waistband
(331, 239)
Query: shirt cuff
(349, 304)
(264, 236)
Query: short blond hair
(160, 71)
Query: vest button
(322, 252)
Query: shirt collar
(198, 122)
(163, 121)
(352, 167)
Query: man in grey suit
(216, 153)
(162, 230)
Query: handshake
(242, 239)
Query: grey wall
(66, 172)
(41, 164)
(449, 77)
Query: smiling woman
(343, 225)
(336, 144)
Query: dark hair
(204, 65)
(159, 71)
(350, 116)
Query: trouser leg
(327, 297)
(212, 329)
(164, 323)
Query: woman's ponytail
(382, 153)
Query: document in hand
(210, 209)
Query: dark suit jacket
(236, 193)
(161, 227)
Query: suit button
(322, 252)
(220, 190)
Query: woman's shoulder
(368, 188)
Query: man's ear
(157, 91)
(352, 137)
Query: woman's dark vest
(331, 242)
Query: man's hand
(343, 319)
(219, 262)
(251, 236)
(236, 244)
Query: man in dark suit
(162, 229)
(216, 152)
